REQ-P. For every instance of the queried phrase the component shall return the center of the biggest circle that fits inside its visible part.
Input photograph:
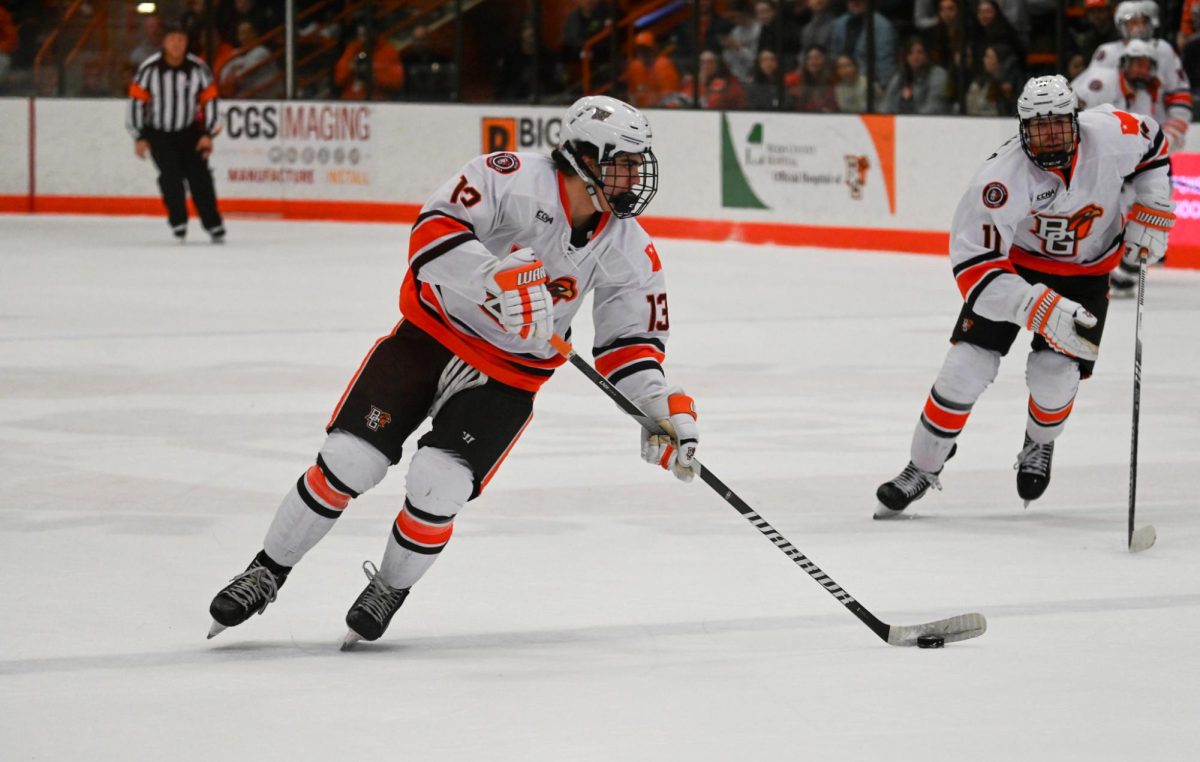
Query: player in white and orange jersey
(1031, 245)
(1137, 20)
(500, 259)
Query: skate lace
(1034, 458)
(254, 587)
(913, 480)
(379, 600)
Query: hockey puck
(931, 641)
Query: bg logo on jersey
(509, 133)
(1061, 235)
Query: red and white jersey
(1100, 84)
(1176, 90)
(1051, 221)
(506, 201)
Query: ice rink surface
(156, 401)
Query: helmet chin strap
(590, 182)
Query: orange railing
(628, 20)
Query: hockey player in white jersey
(1031, 245)
(500, 258)
(1137, 20)
(1134, 87)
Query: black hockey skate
(372, 612)
(1033, 469)
(912, 484)
(248, 593)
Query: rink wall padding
(832, 181)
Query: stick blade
(1142, 539)
(952, 630)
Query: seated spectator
(992, 28)
(919, 87)
(151, 43)
(811, 89)
(740, 45)
(718, 88)
(515, 76)
(264, 16)
(849, 39)
(428, 75)
(250, 73)
(1076, 65)
(357, 72)
(763, 91)
(1098, 28)
(773, 30)
(819, 29)
(994, 89)
(650, 76)
(850, 88)
(944, 44)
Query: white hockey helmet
(611, 133)
(1129, 10)
(1045, 98)
(1138, 49)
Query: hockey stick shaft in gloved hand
(962, 627)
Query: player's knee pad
(353, 461)
(966, 373)
(439, 482)
(1052, 378)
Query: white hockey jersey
(1100, 84)
(1176, 89)
(501, 202)
(1015, 213)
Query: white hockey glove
(1176, 129)
(675, 448)
(518, 297)
(1146, 234)
(1047, 312)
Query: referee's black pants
(177, 160)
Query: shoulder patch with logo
(995, 195)
(504, 163)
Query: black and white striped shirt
(171, 99)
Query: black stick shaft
(1137, 398)
(708, 477)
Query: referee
(173, 116)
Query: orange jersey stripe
(138, 92)
(207, 94)
(1024, 259)
(1047, 417)
(944, 419)
(419, 531)
(967, 279)
(342, 400)
(431, 230)
(496, 363)
(318, 485)
(610, 361)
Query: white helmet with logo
(602, 129)
(1138, 49)
(1047, 97)
(1128, 10)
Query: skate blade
(883, 513)
(216, 629)
(1143, 538)
(350, 640)
(1026, 505)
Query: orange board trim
(782, 234)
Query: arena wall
(864, 182)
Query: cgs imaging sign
(295, 145)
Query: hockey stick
(1144, 537)
(962, 627)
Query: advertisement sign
(838, 169)
(1185, 237)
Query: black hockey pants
(177, 160)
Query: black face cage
(639, 181)
(1051, 159)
